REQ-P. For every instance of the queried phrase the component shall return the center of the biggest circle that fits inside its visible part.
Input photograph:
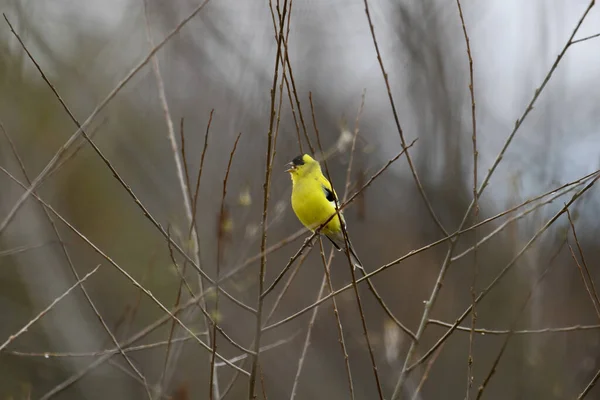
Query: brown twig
(219, 256)
(585, 38)
(22, 249)
(45, 310)
(476, 204)
(113, 351)
(200, 167)
(350, 162)
(483, 332)
(184, 160)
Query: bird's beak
(290, 167)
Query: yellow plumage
(314, 203)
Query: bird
(314, 202)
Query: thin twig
(49, 354)
(476, 204)
(483, 332)
(200, 167)
(45, 310)
(586, 38)
(22, 249)
(213, 372)
(184, 160)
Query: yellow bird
(313, 201)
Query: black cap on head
(298, 160)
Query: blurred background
(218, 71)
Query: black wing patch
(329, 195)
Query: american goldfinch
(313, 201)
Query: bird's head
(301, 166)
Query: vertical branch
(475, 202)
(185, 163)
(266, 189)
(199, 177)
(358, 115)
(213, 370)
(347, 250)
